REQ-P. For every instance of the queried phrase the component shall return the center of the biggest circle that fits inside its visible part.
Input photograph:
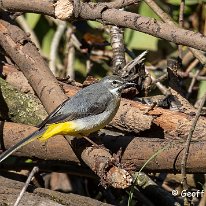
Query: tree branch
(26, 56)
(57, 148)
(167, 19)
(41, 196)
(19, 107)
(108, 15)
(98, 159)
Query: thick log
(58, 148)
(136, 150)
(10, 189)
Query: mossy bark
(19, 107)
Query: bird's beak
(128, 84)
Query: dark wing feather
(88, 101)
(52, 114)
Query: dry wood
(58, 148)
(19, 107)
(136, 150)
(19, 47)
(9, 190)
(107, 14)
(26, 56)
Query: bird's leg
(93, 143)
(96, 146)
(89, 140)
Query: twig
(163, 89)
(191, 75)
(70, 64)
(34, 170)
(156, 194)
(159, 85)
(202, 56)
(54, 45)
(160, 79)
(77, 44)
(181, 23)
(181, 13)
(194, 78)
(117, 43)
(71, 54)
(88, 64)
(137, 60)
(191, 66)
(105, 53)
(188, 57)
(199, 55)
(187, 143)
(22, 22)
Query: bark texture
(136, 150)
(19, 107)
(10, 189)
(107, 14)
(26, 56)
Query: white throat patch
(115, 91)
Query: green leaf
(32, 19)
(202, 89)
(28, 161)
(145, 10)
(46, 42)
(138, 40)
(187, 2)
(94, 24)
(80, 66)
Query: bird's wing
(86, 102)
(52, 114)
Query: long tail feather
(20, 144)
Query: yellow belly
(65, 128)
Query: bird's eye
(114, 83)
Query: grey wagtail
(88, 111)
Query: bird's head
(116, 84)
